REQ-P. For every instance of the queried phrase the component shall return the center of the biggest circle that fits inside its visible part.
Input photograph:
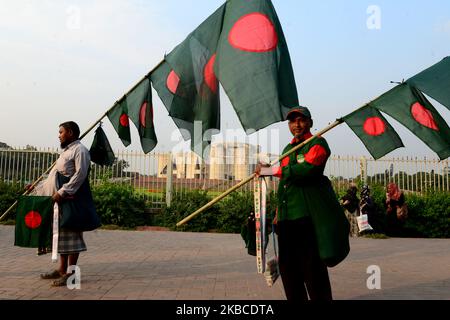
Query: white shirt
(74, 161)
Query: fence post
(363, 166)
(169, 181)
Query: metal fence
(159, 176)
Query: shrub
(119, 205)
(9, 193)
(227, 216)
(234, 210)
(185, 203)
(429, 215)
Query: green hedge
(9, 193)
(185, 203)
(226, 216)
(118, 204)
(428, 216)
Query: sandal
(51, 275)
(62, 281)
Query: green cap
(296, 111)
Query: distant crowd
(361, 212)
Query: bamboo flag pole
(81, 137)
(250, 178)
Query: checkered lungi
(70, 242)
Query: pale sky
(71, 60)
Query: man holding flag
(311, 226)
(68, 183)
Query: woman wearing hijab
(394, 201)
(350, 203)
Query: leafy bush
(119, 205)
(227, 216)
(429, 215)
(185, 203)
(234, 210)
(9, 193)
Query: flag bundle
(407, 104)
(242, 46)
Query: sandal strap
(51, 275)
(61, 281)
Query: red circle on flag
(423, 116)
(209, 75)
(172, 82)
(33, 219)
(142, 114)
(253, 32)
(374, 126)
(124, 120)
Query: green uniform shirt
(299, 177)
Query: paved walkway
(194, 266)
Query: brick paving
(160, 265)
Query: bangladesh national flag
(140, 111)
(435, 82)
(34, 222)
(101, 151)
(165, 82)
(253, 64)
(118, 116)
(187, 84)
(374, 131)
(410, 107)
(197, 126)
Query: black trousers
(302, 271)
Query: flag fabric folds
(187, 85)
(137, 106)
(161, 82)
(410, 107)
(140, 111)
(33, 222)
(101, 151)
(118, 116)
(407, 104)
(253, 64)
(242, 46)
(374, 131)
(434, 82)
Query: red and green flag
(140, 111)
(34, 221)
(253, 64)
(187, 84)
(118, 116)
(374, 131)
(137, 106)
(407, 104)
(410, 107)
(434, 82)
(165, 82)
